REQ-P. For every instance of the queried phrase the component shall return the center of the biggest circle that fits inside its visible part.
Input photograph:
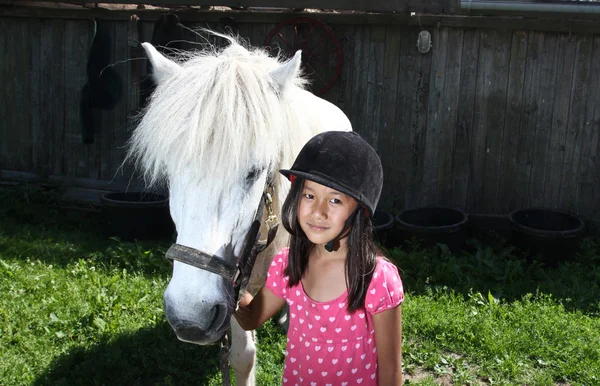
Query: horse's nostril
(219, 314)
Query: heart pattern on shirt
(338, 337)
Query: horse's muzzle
(207, 330)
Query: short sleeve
(276, 281)
(385, 290)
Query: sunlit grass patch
(79, 308)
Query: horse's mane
(217, 115)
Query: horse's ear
(288, 71)
(162, 67)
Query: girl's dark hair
(362, 252)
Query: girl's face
(322, 212)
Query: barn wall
(488, 121)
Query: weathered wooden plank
(387, 124)
(427, 6)
(103, 146)
(554, 23)
(528, 119)
(359, 80)
(121, 128)
(462, 172)
(569, 178)
(434, 117)
(485, 102)
(406, 91)
(492, 85)
(328, 63)
(374, 86)
(588, 192)
(345, 90)
(543, 124)
(259, 33)
(77, 46)
(244, 30)
(560, 117)
(20, 89)
(415, 76)
(57, 74)
(136, 56)
(449, 110)
(5, 108)
(33, 104)
(12, 94)
(52, 97)
(497, 87)
(514, 105)
(484, 70)
(145, 35)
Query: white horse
(219, 124)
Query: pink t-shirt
(326, 345)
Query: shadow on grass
(499, 268)
(43, 229)
(147, 357)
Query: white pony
(218, 125)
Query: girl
(344, 298)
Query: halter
(238, 275)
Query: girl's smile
(322, 212)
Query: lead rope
(224, 361)
(272, 225)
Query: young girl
(344, 297)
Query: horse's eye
(253, 175)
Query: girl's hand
(245, 299)
(253, 311)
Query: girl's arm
(253, 312)
(388, 340)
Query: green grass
(80, 308)
(489, 316)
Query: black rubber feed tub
(137, 216)
(383, 222)
(550, 234)
(435, 225)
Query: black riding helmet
(343, 161)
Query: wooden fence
(488, 121)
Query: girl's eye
(335, 201)
(309, 196)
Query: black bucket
(383, 222)
(551, 234)
(437, 225)
(137, 216)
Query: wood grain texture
(496, 90)
(588, 190)
(512, 120)
(387, 122)
(435, 107)
(529, 116)
(449, 110)
(462, 170)
(579, 95)
(560, 119)
(488, 121)
(543, 124)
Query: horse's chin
(193, 334)
(201, 337)
(202, 341)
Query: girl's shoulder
(281, 257)
(384, 266)
(385, 290)
(276, 279)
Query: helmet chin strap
(334, 244)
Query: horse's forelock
(217, 116)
